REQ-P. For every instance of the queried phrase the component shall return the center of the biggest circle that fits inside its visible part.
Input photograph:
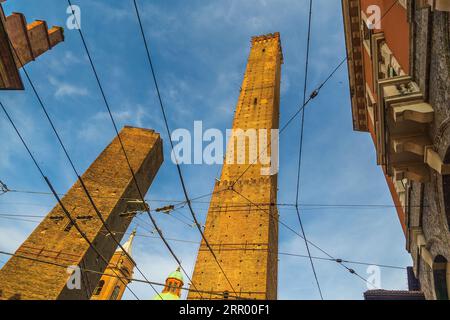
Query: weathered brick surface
(9, 75)
(110, 182)
(32, 40)
(431, 70)
(28, 42)
(244, 236)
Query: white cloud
(99, 125)
(64, 89)
(112, 13)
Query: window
(440, 278)
(255, 101)
(115, 293)
(99, 288)
(68, 226)
(389, 67)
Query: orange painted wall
(396, 31)
(368, 71)
(400, 212)
(395, 27)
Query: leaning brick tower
(56, 240)
(241, 225)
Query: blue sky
(200, 50)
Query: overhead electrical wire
(142, 235)
(141, 195)
(3, 188)
(302, 126)
(180, 174)
(299, 235)
(122, 278)
(182, 203)
(49, 184)
(72, 165)
(188, 201)
(312, 96)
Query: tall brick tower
(57, 241)
(245, 236)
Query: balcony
(402, 125)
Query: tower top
(172, 289)
(266, 37)
(269, 37)
(176, 275)
(129, 244)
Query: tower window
(115, 293)
(99, 288)
(255, 101)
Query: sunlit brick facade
(21, 43)
(57, 241)
(241, 225)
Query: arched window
(115, 293)
(99, 288)
(440, 278)
(168, 286)
(446, 190)
(174, 287)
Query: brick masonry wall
(431, 70)
(243, 236)
(110, 183)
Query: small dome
(176, 275)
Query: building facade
(118, 274)
(21, 43)
(57, 241)
(399, 74)
(241, 225)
